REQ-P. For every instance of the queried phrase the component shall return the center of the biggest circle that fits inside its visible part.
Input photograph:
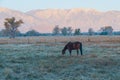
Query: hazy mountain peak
(45, 20)
(84, 9)
(3, 9)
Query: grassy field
(43, 61)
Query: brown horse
(72, 46)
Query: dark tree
(77, 32)
(64, 31)
(90, 31)
(70, 30)
(32, 33)
(3, 33)
(107, 30)
(11, 26)
(56, 30)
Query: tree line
(67, 31)
(11, 30)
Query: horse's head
(63, 52)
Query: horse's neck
(65, 48)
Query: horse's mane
(66, 45)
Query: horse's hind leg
(81, 49)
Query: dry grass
(56, 39)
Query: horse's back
(74, 45)
(77, 42)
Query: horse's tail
(81, 49)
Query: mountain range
(44, 20)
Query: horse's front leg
(77, 52)
(70, 51)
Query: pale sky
(27, 5)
